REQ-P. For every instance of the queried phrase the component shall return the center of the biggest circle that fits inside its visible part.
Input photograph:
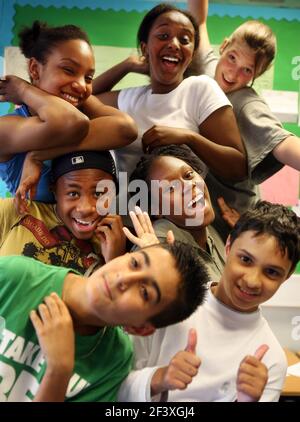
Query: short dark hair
(191, 289)
(182, 152)
(154, 13)
(275, 220)
(39, 40)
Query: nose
(127, 280)
(252, 278)
(79, 85)
(86, 206)
(174, 43)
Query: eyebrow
(183, 28)
(275, 267)
(75, 63)
(152, 282)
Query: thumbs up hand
(181, 369)
(252, 376)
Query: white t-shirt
(186, 106)
(224, 338)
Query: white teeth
(84, 223)
(196, 199)
(69, 97)
(248, 293)
(171, 59)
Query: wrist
(191, 139)
(157, 381)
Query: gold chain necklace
(94, 347)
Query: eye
(73, 194)
(163, 36)
(144, 293)
(185, 40)
(89, 79)
(189, 174)
(231, 57)
(134, 263)
(247, 71)
(270, 272)
(245, 259)
(69, 70)
(98, 193)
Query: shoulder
(245, 96)
(134, 92)
(162, 226)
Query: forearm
(109, 132)
(94, 108)
(199, 9)
(288, 152)
(61, 120)
(224, 161)
(54, 386)
(107, 80)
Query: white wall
(282, 312)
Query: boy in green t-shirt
(149, 288)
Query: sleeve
(137, 386)
(276, 378)
(261, 132)
(205, 97)
(127, 99)
(203, 63)
(8, 217)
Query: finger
(44, 312)
(36, 322)
(105, 231)
(148, 222)
(52, 306)
(261, 351)
(192, 341)
(170, 237)
(58, 302)
(130, 236)
(222, 204)
(136, 224)
(141, 217)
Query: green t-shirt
(102, 361)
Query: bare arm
(288, 152)
(106, 132)
(221, 150)
(217, 146)
(56, 122)
(104, 83)
(199, 9)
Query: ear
(144, 50)
(145, 330)
(227, 246)
(33, 69)
(223, 46)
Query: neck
(200, 236)
(74, 296)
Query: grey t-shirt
(213, 255)
(261, 132)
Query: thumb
(170, 237)
(261, 351)
(192, 341)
